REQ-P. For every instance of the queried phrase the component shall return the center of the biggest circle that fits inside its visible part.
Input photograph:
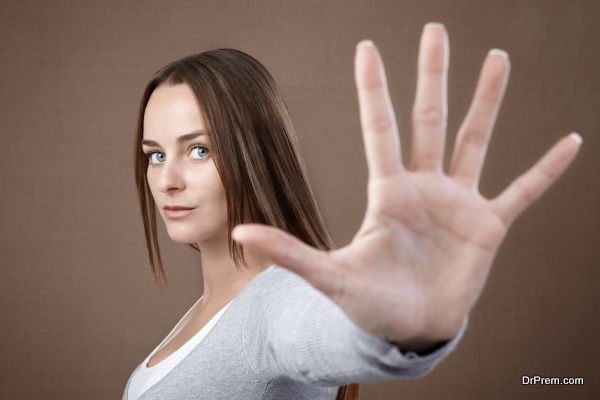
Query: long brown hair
(255, 150)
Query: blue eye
(149, 156)
(204, 153)
(197, 146)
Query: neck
(221, 279)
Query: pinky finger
(528, 187)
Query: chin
(183, 239)
(180, 236)
(192, 235)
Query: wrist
(419, 346)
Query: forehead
(171, 110)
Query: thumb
(287, 251)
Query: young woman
(283, 315)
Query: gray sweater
(282, 339)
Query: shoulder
(280, 297)
(275, 292)
(279, 286)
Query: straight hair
(255, 150)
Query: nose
(170, 176)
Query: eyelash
(148, 155)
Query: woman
(283, 315)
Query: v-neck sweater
(281, 338)
(145, 376)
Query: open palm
(422, 255)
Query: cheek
(220, 200)
(151, 179)
(213, 194)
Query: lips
(177, 212)
(177, 208)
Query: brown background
(79, 309)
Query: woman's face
(182, 173)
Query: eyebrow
(180, 139)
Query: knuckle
(547, 177)
(524, 192)
(380, 123)
(370, 87)
(429, 116)
(488, 104)
(432, 68)
(488, 99)
(473, 137)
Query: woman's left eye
(200, 147)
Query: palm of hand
(441, 234)
(422, 255)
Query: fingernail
(435, 25)
(365, 42)
(499, 52)
(576, 137)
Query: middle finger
(430, 111)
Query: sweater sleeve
(309, 339)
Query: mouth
(176, 212)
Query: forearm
(315, 342)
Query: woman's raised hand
(423, 253)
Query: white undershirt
(144, 377)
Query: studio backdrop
(79, 308)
